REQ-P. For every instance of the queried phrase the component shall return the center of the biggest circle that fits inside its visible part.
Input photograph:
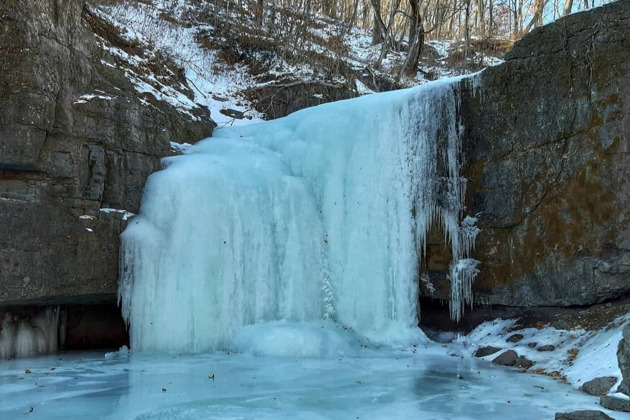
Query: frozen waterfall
(318, 216)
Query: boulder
(514, 338)
(511, 358)
(486, 351)
(599, 386)
(546, 347)
(615, 404)
(583, 415)
(507, 358)
(523, 362)
(623, 357)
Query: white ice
(321, 215)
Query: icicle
(22, 336)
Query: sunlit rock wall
(549, 165)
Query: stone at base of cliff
(583, 415)
(599, 386)
(510, 358)
(486, 351)
(514, 338)
(615, 404)
(524, 363)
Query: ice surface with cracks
(379, 385)
(322, 215)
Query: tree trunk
(329, 8)
(377, 30)
(491, 22)
(416, 41)
(259, 12)
(467, 34)
(481, 17)
(537, 19)
(568, 5)
(451, 25)
(517, 29)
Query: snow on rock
(144, 24)
(180, 148)
(362, 89)
(577, 355)
(91, 96)
(184, 33)
(125, 214)
(121, 353)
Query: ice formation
(322, 215)
(23, 336)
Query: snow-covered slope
(233, 66)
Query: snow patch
(91, 96)
(126, 214)
(181, 148)
(579, 355)
(121, 353)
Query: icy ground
(425, 383)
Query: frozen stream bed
(377, 384)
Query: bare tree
(538, 13)
(378, 30)
(416, 40)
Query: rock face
(549, 174)
(281, 99)
(75, 137)
(547, 142)
(623, 357)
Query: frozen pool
(378, 384)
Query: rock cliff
(547, 138)
(76, 136)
